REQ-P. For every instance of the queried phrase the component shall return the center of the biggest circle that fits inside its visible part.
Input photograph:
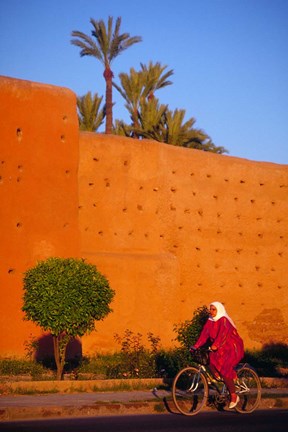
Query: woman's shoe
(234, 401)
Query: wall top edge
(21, 83)
(96, 138)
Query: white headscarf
(221, 312)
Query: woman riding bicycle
(226, 345)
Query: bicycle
(194, 387)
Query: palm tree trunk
(108, 75)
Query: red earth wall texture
(171, 228)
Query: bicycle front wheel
(248, 388)
(189, 391)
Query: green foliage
(189, 331)
(105, 45)
(90, 115)
(271, 360)
(65, 296)
(136, 360)
(14, 367)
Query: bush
(16, 367)
(189, 331)
(135, 359)
(269, 360)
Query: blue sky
(230, 60)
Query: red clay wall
(39, 192)
(171, 228)
(174, 229)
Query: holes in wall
(172, 208)
(63, 138)
(260, 235)
(252, 201)
(173, 189)
(11, 271)
(65, 118)
(19, 134)
(173, 172)
(100, 233)
(107, 182)
(91, 184)
(261, 184)
(215, 197)
(197, 248)
(239, 251)
(180, 227)
(146, 234)
(187, 210)
(124, 210)
(257, 268)
(208, 175)
(125, 163)
(139, 207)
(95, 159)
(273, 203)
(242, 181)
(155, 189)
(20, 168)
(67, 172)
(18, 179)
(1, 179)
(140, 187)
(200, 212)
(19, 225)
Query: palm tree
(132, 90)
(158, 123)
(140, 86)
(154, 78)
(90, 115)
(106, 46)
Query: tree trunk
(108, 75)
(59, 355)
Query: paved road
(258, 421)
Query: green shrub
(14, 367)
(189, 331)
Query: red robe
(224, 336)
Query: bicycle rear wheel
(189, 391)
(248, 388)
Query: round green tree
(65, 296)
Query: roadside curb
(112, 409)
(99, 398)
